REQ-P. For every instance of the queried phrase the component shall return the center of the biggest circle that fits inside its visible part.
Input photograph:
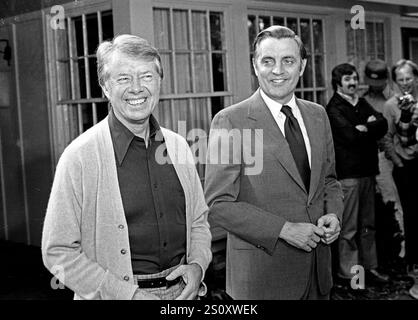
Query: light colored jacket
(85, 227)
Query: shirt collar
(275, 107)
(352, 101)
(122, 136)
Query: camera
(406, 101)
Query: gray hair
(400, 64)
(279, 32)
(133, 46)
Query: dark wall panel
(32, 93)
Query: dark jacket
(355, 151)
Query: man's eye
(123, 79)
(267, 61)
(147, 77)
(289, 61)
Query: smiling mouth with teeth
(278, 80)
(135, 102)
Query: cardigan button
(126, 278)
(121, 226)
(123, 251)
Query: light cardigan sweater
(85, 227)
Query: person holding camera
(401, 146)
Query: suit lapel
(260, 117)
(312, 124)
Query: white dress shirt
(280, 117)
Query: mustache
(352, 86)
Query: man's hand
(192, 274)
(371, 119)
(361, 128)
(330, 224)
(304, 236)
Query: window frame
(62, 136)
(386, 28)
(228, 95)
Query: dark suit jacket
(254, 207)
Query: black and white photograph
(230, 152)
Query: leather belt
(157, 282)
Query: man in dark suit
(277, 195)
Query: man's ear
(302, 67)
(255, 68)
(105, 91)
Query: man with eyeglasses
(401, 146)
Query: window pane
(219, 72)
(78, 36)
(319, 71)
(321, 98)
(162, 28)
(167, 83)
(80, 79)
(380, 38)
(87, 113)
(351, 52)
(278, 21)
(216, 30)
(199, 116)
(308, 74)
(184, 74)
(102, 110)
(165, 114)
(318, 36)
(370, 38)
(181, 29)
(263, 23)
(181, 112)
(305, 30)
(92, 32)
(298, 94)
(308, 96)
(107, 25)
(199, 28)
(95, 90)
(202, 79)
(217, 104)
(292, 23)
(360, 41)
(252, 31)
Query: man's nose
(136, 85)
(277, 68)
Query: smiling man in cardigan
(121, 223)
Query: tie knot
(287, 111)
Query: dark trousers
(406, 179)
(357, 243)
(312, 291)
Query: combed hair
(401, 63)
(339, 71)
(133, 46)
(279, 32)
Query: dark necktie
(297, 145)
